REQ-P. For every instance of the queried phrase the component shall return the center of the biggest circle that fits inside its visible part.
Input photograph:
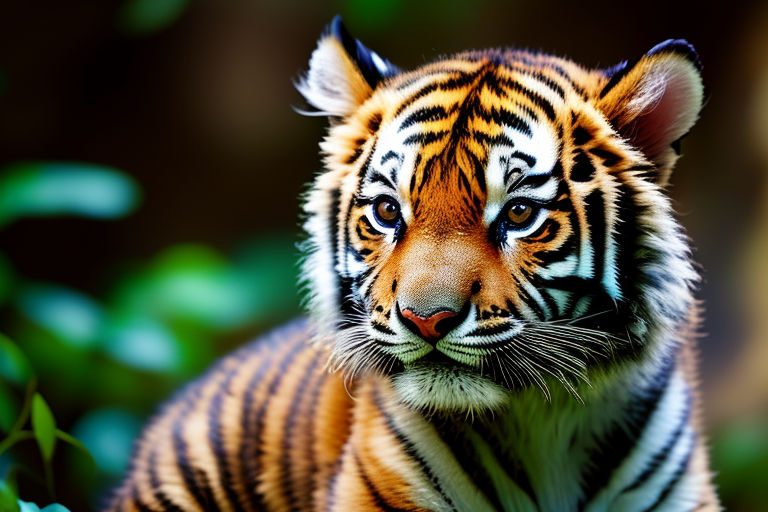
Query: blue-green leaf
(14, 365)
(55, 507)
(108, 434)
(143, 343)
(44, 426)
(65, 188)
(71, 316)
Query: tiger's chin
(432, 387)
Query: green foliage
(8, 498)
(64, 188)
(157, 325)
(71, 316)
(140, 17)
(740, 455)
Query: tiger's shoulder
(253, 433)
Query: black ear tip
(336, 28)
(680, 47)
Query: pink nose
(428, 326)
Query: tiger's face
(495, 220)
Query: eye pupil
(519, 213)
(387, 211)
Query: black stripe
(582, 169)
(478, 167)
(664, 452)
(490, 331)
(537, 99)
(609, 157)
(410, 449)
(450, 84)
(378, 499)
(216, 438)
(138, 502)
(530, 180)
(505, 117)
(256, 427)
(249, 469)
(464, 453)
(618, 443)
(425, 138)
(310, 454)
(291, 420)
(525, 157)
(382, 328)
(538, 75)
(595, 214)
(528, 300)
(333, 236)
(566, 249)
(619, 72)
(154, 481)
(500, 139)
(390, 155)
(423, 115)
(202, 494)
(676, 477)
(377, 177)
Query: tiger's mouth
(534, 355)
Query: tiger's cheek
(383, 290)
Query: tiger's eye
(387, 211)
(519, 213)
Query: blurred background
(150, 168)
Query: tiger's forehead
(466, 145)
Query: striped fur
(567, 380)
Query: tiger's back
(258, 430)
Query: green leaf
(8, 498)
(44, 427)
(14, 365)
(71, 316)
(65, 188)
(72, 441)
(190, 283)
(146, 16)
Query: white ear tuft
(342, 72)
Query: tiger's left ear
(655, 101)
(342, 73)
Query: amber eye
(519, 214)
(387, 211)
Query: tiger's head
(495, 220)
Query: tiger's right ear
(343, 73)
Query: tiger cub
(501, 311)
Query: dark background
(193, 101)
